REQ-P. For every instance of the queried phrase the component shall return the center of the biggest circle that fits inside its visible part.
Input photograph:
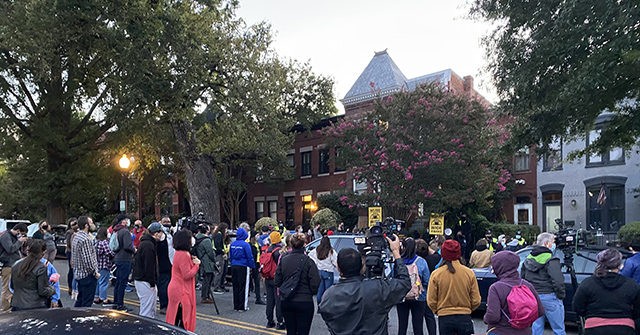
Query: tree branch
(87, 117)
(15, 119)
(20, 81)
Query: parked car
(72, 321)
(59, 232)
(584, 263)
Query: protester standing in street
(204, 251)
(104, 256)
(415, 300)
(326, 260)
(145, 270)
(10, 245)
(85, 263)
(453, 292)
(255, 272)
(427, 253)
(44, 233)
(30, 281)
(608, 301)
(543, 270)
(298, 308)
(219, 236)
(505, 266)
(181, 310)
(481, 256)
(72, 228)
(268, 265)
(123, 258)
(137, 232)
(241, 263)
(165, 259)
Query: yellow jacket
(453, 293)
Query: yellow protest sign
(436, 224)
(375, 215)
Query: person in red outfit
(137, 231)
(181, 310)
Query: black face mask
(45, 227)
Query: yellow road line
(219, 320)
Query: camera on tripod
(193, 222)
(374, 247)
(567, 237)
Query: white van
(6, 224)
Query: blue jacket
(56, 286)
(423, 271)
(240, 253)
(631, 268)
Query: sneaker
(107, 303)
(281, 326)
(207, 301)
(260, 302)
(271, 324)
(128, 289)
(97, 301)
(122, 308)
(218, 291)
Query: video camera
(375, 247)
(567, 237)
(193, 222)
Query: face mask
(193, 241)
(488, 246)
(518, 237)
(128, 223)
(553, 247)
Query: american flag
(602, 197)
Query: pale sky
(339, 38)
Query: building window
(339, 165)
(553, 157)
(614, 156)
(522, 160)
(290, 160)
(307, 209)
(323, 161)
(360, 186)
(289, 211)
(306, 164)
(606, 205)
(272, 207)
(259, 209)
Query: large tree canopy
(558, 64)
(429, 147)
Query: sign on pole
(436, 224)
(375, 215)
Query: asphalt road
(253, 321)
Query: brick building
(294, 201)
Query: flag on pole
(602, 197)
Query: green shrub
(326, 218)
(332, 201)
(265, 221)
(630, 233)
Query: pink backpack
(416, 284)
(523, 306)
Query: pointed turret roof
(382, 72)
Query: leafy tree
(558, 64)
(426, 146)
(348, 214)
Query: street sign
(436, 224)
(123, 206)
(375, 215)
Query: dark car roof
(72, 321)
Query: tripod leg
(215, 305)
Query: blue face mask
(553, 247)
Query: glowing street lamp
(124, 164)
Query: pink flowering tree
(426, 146)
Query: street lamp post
(124, 164)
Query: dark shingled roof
(383, 72)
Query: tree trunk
(204, 195)
(56, 213)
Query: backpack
(267, 264)
(523, 306)
(290, 284)
(114, 244)
(416, 284)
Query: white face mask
(193, 241)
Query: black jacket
(10, 248)
(32, 291)
(218, 243)
(145, 267)
(543, 270)
(612, 296)
(309, 279)
(361, 306)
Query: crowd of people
(428, 278)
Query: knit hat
(274, 237)
(155, 227)
(450, 250)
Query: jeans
(273, 300)
(86, 290)
(123, 269)
(459, 324)
(103, 284)
(163, 284)
(416, 308)
(70, 273)
(553, 311)
(298, 316)
(218, 280)
(326, 280)
(430, 320)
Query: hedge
(326, 218)
(629, 234)
(265, 221)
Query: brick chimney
(468, 84)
